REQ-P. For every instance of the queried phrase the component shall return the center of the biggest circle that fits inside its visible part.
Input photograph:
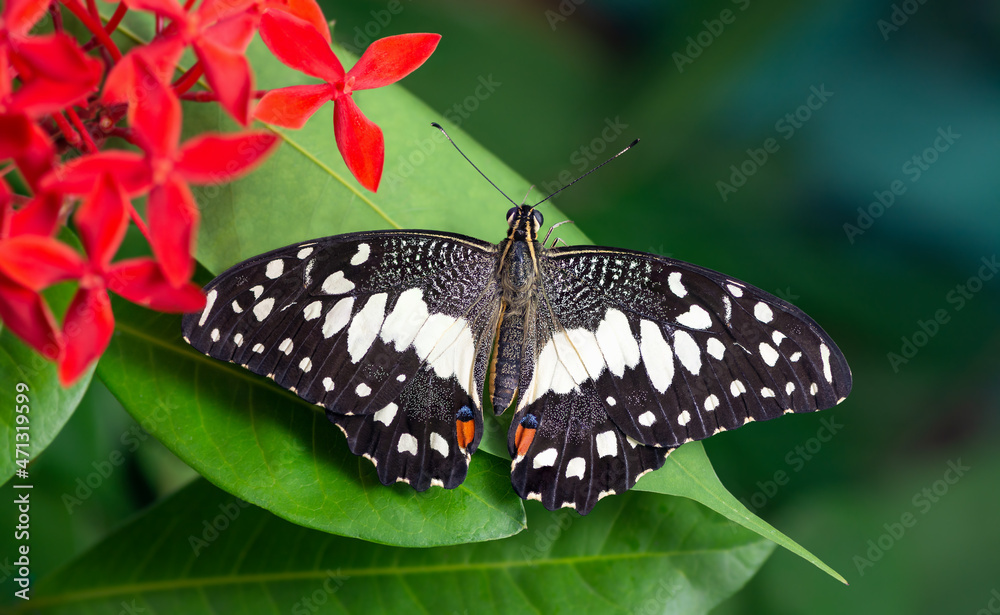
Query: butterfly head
(524, 221)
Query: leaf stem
(95, 27)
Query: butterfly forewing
(379, 328)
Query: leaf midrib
(270, 577)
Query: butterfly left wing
(655, 352)
(384, 329)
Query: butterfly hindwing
(382, 329)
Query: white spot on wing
(736, 388)
(545, 459)
(401, 378)
(762, 312)
(684, 418)
(439, 444)
(258, 348)
(238, 339)
(736, 291)
(328, 384)
(687, 351)
(362, 255)
(647, 418)
(716, 348)
(286, 345)
(236, 307)
(768, 353)
(257, 291)
(214, 335)
(614, 336)
(336, 284)
(777, 336)
(407, 444)
(365, 326)
(729, 308)
(275, 268)
(789, 388)
(403, 323)
(262, 309)
(795, 356)
(445, 343)
(611, 400)
(306, 364)
(696, 318)
(576, 467)
(607, 444)
(656, 356)
(209, 302)
(304, 252)
(385, 415)
(766, 392)
(813, 389)
(363, 390)
(824, 352)
(336, 319)
(313, 310)
(711, 403)
(674, 282)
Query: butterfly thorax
(517, 273)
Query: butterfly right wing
(383, 329)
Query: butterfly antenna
(438, 126)
(630, 146)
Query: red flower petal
(215, 158)
(228, 72)
(307, 10)
(299, 45)
(87, 329)
(19, 15)
(102, 220)
(28, 145)
(56, 57)
(78, 176)
(173, 221)
(292, 107)
(36, 262)
(389, 59)
(161, 56)
(167, 8)
(156, 119)
(142, 281)
(360, 142)
(26, 314)
(233, 32)
(15, 134)
(40, 216)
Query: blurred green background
(553, 87)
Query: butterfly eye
(538, 216)
(511, 213)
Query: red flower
(34, 262)
(165, 170)
(218, 31)
(22, 309)
(299, 45)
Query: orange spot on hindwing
(525, 433)
(465, 427)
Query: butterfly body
(609, 358)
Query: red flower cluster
(59, 95)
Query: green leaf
(689, 473)
(49, 405)
(202, 552)
(271, 448)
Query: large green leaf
(689, 473)
(49, 404)
(272, 448)
(205, 553)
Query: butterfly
(609, 358)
